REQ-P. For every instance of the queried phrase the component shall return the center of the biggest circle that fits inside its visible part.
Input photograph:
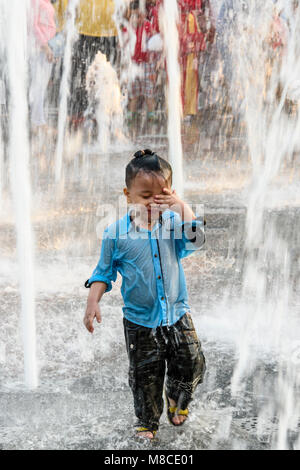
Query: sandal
(142, 429)
(172, 411)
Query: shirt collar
(126, 222)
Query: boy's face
(142, 191)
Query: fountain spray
(2, 92)
(267, 76)
(65, 86)
(20, 176)
(1, 168)
(169, 17)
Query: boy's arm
(101, 280)
(189, 235)
(93, 310)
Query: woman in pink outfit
(43, 29)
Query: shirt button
(162, 298)
(155, 256)
(159, 277)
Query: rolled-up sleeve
(189, 236)
(106, 270)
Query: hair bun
(149, 152)
(143, 153)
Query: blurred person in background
(208, 57)
(42, 30)
(97, 32)
(152, 12)
(142, 84)
(192, 43)
(276, 47)
(229, 24)
(60, 7)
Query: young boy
(145, 247)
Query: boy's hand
(92, 312)
(170, 199)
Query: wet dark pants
(174, 352)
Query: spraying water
(1, 167)
(266, 74)
(20, 178)
(65, 86)
(170, 19)
(105, 102)
(2, 104)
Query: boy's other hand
(92, 312)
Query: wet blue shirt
(154, 287)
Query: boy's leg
(186, 362)
(146, 353)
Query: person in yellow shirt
(95, 18)
(97, 32)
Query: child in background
(146, 247)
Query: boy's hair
(148, 162)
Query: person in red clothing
(278, 33)
(192, 43)
(152, 12)
(276, 46)
(143, 85)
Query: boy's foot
(178, 420)
(176, 416)
(144, 433)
